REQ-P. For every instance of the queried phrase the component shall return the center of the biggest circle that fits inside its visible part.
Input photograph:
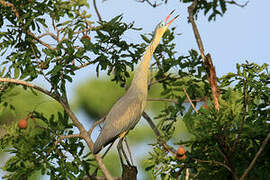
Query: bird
(127, 111)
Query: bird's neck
(141, 74)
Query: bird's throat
(141, 75)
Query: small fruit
(181, 151)
(180, 155)
(23, 123)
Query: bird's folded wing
(124, 115)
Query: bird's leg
(129, 152)
(122, 152)
(127, 160)
(119, 149)
(107, 150)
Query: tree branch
(214, 162)
(255, 157)
(24, 83)
(94, 125)
(207, 60)
(157, 133)
(96, 9)
(60, 138)
(190, 100)
(162, 99)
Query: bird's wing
(123, 116)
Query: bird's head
(163, 26)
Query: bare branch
(157, 133)
(86, 64)
(190, 100)
(166, 100)
(96, 9)
(214, 162)
(195, 29)
(24, 83)
(94, 125)
(60, 138)
(40, 41)
(255, 157)
(48, 34)
(207, 60)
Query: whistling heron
(127, 111)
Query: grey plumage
(126, 112)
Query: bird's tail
(102, 141)
(97, 145)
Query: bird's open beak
(167, 24)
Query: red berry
(181, 151)
(23, 123)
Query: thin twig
(189, 100)
(162, 99)
(47, 34)
(96, 9)
(40, 41)
(157, 133)
(255, 157)
(195, 29)
(187, 174)
(94, 125)
(86, 64)
(60, 138)
(214, 162)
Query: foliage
(223, 142)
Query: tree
(230, 130)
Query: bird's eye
(162, 24)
